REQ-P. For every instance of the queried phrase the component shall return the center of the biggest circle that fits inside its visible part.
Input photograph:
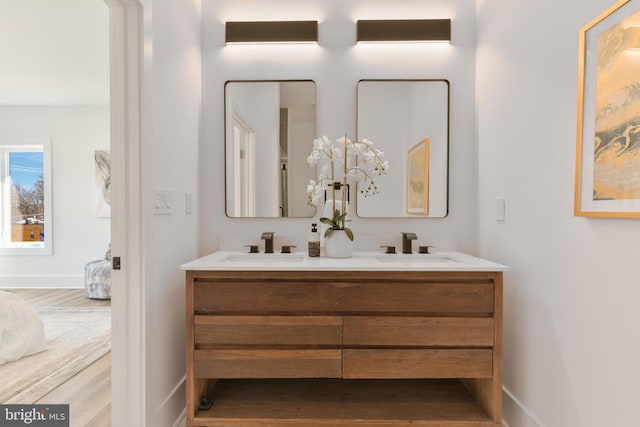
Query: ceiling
(54, 52)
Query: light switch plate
(163, 201)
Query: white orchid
(359, 161)
(314, 193)
(313, 158)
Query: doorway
(61, 105)
(125, 117)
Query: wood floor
(88, 393)
(58, 298)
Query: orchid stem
(333, 187)
(344, 184)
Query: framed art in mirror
(409, 121)
(607, 182)
(418, 178)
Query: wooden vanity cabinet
(330, 348)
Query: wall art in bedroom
(102, 159)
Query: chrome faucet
(406, 242)
(268, 241)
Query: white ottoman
(97, 279)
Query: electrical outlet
(500, 210)
(188, 203)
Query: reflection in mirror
(269, 131)
(409, 121)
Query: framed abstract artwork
(418, 178)
(607, 182)
(102, 195)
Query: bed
(21, 329)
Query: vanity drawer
(408, 363)
(418, 331)
(264, 297)
(267, 363)
(325, 295)
(417, 298)
(268, 330)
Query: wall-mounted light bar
(404, 30)
(271, 32)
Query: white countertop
(361, 261)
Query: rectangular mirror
(269, 131)
(409, 121)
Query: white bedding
(21, 329)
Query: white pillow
(21, 329)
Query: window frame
(7, 247)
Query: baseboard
(42, 282)
(173, 407)
(515, 413)
(182, 420)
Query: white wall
(571, 299)
(78, 235)
(171, 123)
(337, 64)
(54, 52)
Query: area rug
(76, 337)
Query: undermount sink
(360, 261)
(279, 258)
(416, 258)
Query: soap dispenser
(314, 241)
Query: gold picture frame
(607, 180)
(418, 178)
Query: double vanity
(373, 340)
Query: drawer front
(267, 364)
(417, 298)
(432, 363)
(268, 330)
(332, 297)
(257, 297)
(418, 331)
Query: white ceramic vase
(338, 245)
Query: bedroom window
(25, 198)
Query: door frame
(128, 400)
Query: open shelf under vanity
(333, 402)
